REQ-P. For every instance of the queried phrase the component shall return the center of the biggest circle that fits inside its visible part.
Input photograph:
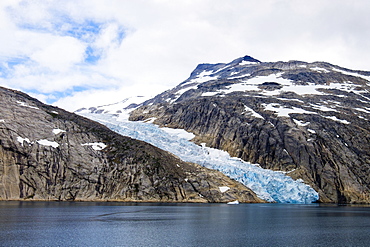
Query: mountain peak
(246, 60)
(250, 59)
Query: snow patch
(282, 111)
(323, 108)
(22, 140)
(237, 77)
(270, 78)
(181, 92)
(321, 70)
(150, 120)
(299, 179)
(311, 131)
(98, 146)
(286, 99)
(302, 89)
(203, 77)
(224, 189)
(21, 103)
(337, 119)
(48, 143)
(209, 94)
(363, 110)
(300, 123)
(252, 112)
(240, 87)
(352, 74)
(247, 63)
(42, 142)
(57, 131)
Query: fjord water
(150, 224)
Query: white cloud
(93, 45)
(95, 97)
(60, 54)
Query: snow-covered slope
(267, 79)
(118, 107)
(269, 185)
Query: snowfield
(269, 185)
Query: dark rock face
(308, 118)
(47, 153)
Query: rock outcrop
(308, 119)
(47, 153)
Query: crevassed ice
(267, 184)
(178, 132)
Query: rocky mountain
(47, 153)
(310, 120)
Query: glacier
(272, 186)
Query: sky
(80, 53)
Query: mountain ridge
(47, 153)
(308, 117)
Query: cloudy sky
(75, 53)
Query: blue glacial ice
(273, 186)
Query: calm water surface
(146, 224)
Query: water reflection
(149, 224)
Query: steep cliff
(308, 119)
(47, 153)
